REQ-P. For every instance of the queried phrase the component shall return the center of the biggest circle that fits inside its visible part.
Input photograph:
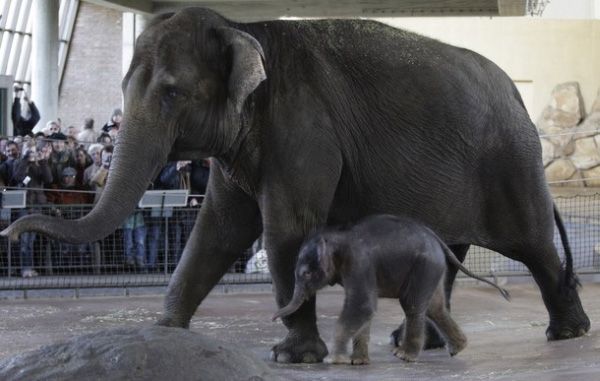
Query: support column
(133, 25)
(44, 65)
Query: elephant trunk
(297, 300)
(135, 160)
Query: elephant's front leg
(302, 343)
(227, 224)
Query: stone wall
(570, 138)
(91, 86)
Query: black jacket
(21, 125)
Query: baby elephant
(386, 256)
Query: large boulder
(135, 354)
(563, 113)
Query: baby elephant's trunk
(292, 306)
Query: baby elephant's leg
(439, 314)
(424, 279)
(360, 346)
(354, 318)
(414, 336)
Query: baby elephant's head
(314, 270)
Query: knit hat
(69, 171)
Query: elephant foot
(171, 322)
(433, 339)
(360, 360)
(297, 348)
(338, 359)
(405, 356)
(569, 320)
(568, 329)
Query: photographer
(32, 172)
(24, 114)
(98, 180)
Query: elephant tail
(453, 260)
(569, 277)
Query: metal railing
(112, 263)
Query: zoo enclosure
(103, 263)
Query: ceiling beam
(136, 6)
(254, 10)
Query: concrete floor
(506, 340)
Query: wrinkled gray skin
(324, 122)
(385, 256)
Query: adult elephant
(317, 122)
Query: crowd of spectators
(62, 166)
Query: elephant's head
(184, 96)
(314, 270)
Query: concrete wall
(91, 85)
(545, 52)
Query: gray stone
(143, 353)
(592, 177)
(586, 154)
(563, 113)
(561, 169)
(589, 127)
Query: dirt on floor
(506, 340)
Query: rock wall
(570, 139)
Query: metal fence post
(166, 244)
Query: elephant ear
(325, 253)
(247, 69)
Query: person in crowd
(31, 172)
(72, 131)
(13, 153)
(98, 180)
(199, 172)
(134, 234)
(52, 127)
(87, 136)
(18, 139)
(114, 134)
(3, 142)
(67, 192)
(66, 199)
(82, 162)
(60, 158)
(44, 146)
(114, 122)
(170, 177)
(95, 153)
(105, 139)
(71, 144)
(25, 114)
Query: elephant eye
(170, 96)
(172, 93)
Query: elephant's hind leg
(438, 313)
(360, 346)
(567, 317)
(433, 339)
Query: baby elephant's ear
(247, 68)
(325, 254)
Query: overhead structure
(253, 10)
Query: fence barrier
(158, 235)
